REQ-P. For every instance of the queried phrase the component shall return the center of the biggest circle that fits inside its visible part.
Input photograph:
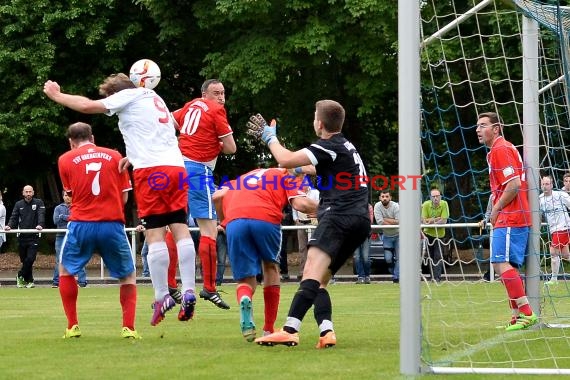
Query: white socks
(158, 261)
(187, 263)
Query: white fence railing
(132, 232)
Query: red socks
(173, 256)
(243, 289)
(271, 295)
(68, 292)
(515, 290)
(208, 258)
(128, 296)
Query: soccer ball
(145, 73)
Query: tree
(76, 44)
(279, 57)
(276, 57)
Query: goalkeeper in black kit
(344, 222)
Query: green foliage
(76, 43)
(280, 57)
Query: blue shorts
(200, 189)
(509, 245)
(106, 238)
(249, 242)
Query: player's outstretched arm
(75, 102)
(258, 128)
(303, 170)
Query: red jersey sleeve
(506, 164)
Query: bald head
(28, 193)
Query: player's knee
(309, 289)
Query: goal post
(459, 58)
(409, 163)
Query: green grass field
(366, 321)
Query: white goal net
(480, 56)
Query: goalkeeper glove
(269, 134)
(258, 128)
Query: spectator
(222, 252)
(387, 213)
(152, 147)
(252, 217)
(194, 234)
(566, 180)
(28, 213)
(97, 223)
(303, 234)
(344, 221)
(362, 256)
(204, 134)
(510, 216)
(144, 257)
(483, 224)
(435, 211)
(554, 206)
(2, 222)
(144, 253)
(60, 219)
(287, 220)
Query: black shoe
(82, 284)
(214, 297)
(175, 294)
(396, 280)
(284, 276)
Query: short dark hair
(207, 83)
(331, 114)
(79, 132)
(492, 116)
(566, 176)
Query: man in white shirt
(566, 183)
(554, 205)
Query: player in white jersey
(554, 205)
(152, 148)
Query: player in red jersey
(510, 216)
(97, 223)
(204, 134)
(251, 210)
(152, 149)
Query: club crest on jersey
(34, 207)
